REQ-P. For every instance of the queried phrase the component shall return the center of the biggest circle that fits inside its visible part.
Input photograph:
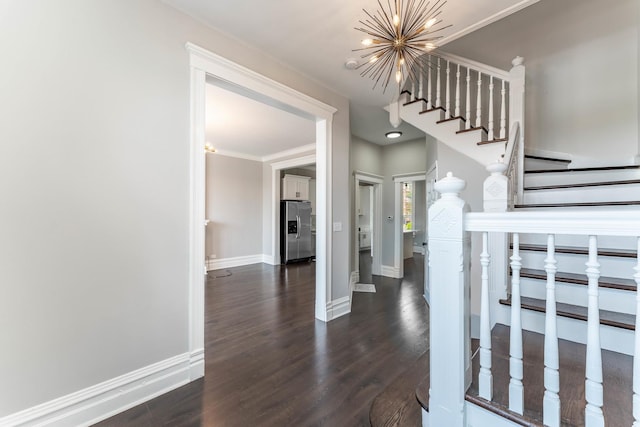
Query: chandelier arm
(436, 7)
(382, 27)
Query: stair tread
(472, 129)
(609, 318)
(450, 119)
(547, 159)
(581, 279)
(414, 101)
(431, 109)
(617, 381)
(576, 204)
(493, 141)
(591, 169)
(620, 253)
(584, 184)
(396, 405)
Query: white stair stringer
(447, 132)
(611, 338)
(604, 192)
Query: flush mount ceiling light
(393, 134)
(397, 37)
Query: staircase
(559, 326)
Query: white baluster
(438, 101)
(468, 118)
(636, 354)
(551, 401)
(457, 112)
(503, 113)
(490, 136)
(516, 390)
(485, 379)
(447, 106)
(479, 102)
(593, 384)
(413, 91)
(420, 92)
(429, 94)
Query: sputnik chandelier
(397, 38)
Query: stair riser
(539, 164)
(604, 193)
(465, 143)
(614, 339)
(573, 263)
(562, 178)
(610, 299)
(629, 243)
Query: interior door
(430, 197)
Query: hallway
(270, 363)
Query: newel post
(450, 354)
(496, 198)
(516, 112)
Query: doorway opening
(368, 227)
(410, 221)
(203, 65)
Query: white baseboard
(101, 401)
(217, 264)
(390, 271)
(268, 259)
(338, 307)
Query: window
(408, 214)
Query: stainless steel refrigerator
(295, 231)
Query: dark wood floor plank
(617, 380)
(269, 362)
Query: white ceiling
(316, 37)
(241, 126)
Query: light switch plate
(337, 226)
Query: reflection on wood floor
(270, 363)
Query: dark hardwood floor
(270, 363)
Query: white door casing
(376, 242)
(204, 63)
(431, 197)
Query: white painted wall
(474, 174)
(420, 201)
(581, 59)
(234, 206)
(94, 169)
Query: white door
(431, 197)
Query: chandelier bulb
(374, 58)
(396, 20)
(430, 23)
(398, 76)
(367, 42)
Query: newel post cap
(497, 168)
(518, 60)
(450, 186)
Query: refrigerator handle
(298, 228)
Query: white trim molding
(101, 401)
(290, 152)
(491, 19)
(339, 307)
(205, 64)
(390, 271)
(239, 261)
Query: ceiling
(316, 37)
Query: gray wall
(234, 206)
(420, 209)
(94, 171)
(404, 157)
(581, 59)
